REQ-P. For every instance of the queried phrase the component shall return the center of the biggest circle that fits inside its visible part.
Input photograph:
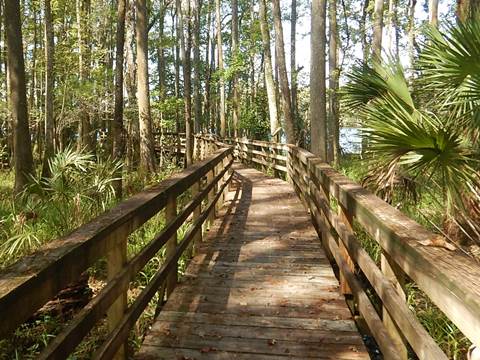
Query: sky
(303, 35)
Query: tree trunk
(208, 70)
(235, 49)
(390, 28)
(268, 70)
(23, 159)
(467, 9)
(433, 12)
(85, 137)
(197, 66)
(282, 72)
(118, 132)
(147, 155)
(377, 31)
(333, 76)
(185, 48)
(293, 60)
(363, 30)
(49, 83)
(318, 111)
(221, 84)
(133, 132)
(411, 32)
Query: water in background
(350, 140)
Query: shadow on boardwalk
(260, 286)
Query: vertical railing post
(218, 185)
(211, 195)
(170, 214)
(116, 260)
(197, 239)
(347, 219)
(395, 275)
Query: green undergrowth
(41, 215)
(425, 209)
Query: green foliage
(78, 189)
(406, 140)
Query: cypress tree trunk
(118, 138)
(22, 147)
(223, 122)
(333, 71)
(268, 70)
(433, 12)
(293, 60)
(282, 72)
(377, 30)
(185, 49)
(467, 9)
(363, 30)
(49, 83)
(318, 111)
(236, 94)
(147, 155)
(197, 66)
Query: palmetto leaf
(450, 66)
(408, 140)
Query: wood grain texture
(251, 292)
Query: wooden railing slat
(120, 334)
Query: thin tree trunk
(133, 133)
(377, 31)
(433, 12)
(84, 127)
(235, 49)
(23, 159)
(223, 121)
(293, 61)
(411, 32)
(467, 9)
(185, 48)
(390, 28)
(147, 155)
(333, 71)
(268, 70)
(118, 132)
(49, 83)
(363, 30)
(197, 66)
(282, 71)
(208, 70)
(318, 111)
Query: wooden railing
(33, 281)
(450, 279)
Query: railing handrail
(32, 281)
(449, 278)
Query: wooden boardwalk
(260, 287)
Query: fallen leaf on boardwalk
(243, 304)
(208, 349)
(272, 342)
(287, 351)
(439, 241)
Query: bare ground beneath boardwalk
(260, 286)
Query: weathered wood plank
(251, 284)
(61, 262)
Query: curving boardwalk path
(260, 287)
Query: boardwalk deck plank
(260, 287)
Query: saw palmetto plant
(433, 142)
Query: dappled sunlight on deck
(260, 286)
